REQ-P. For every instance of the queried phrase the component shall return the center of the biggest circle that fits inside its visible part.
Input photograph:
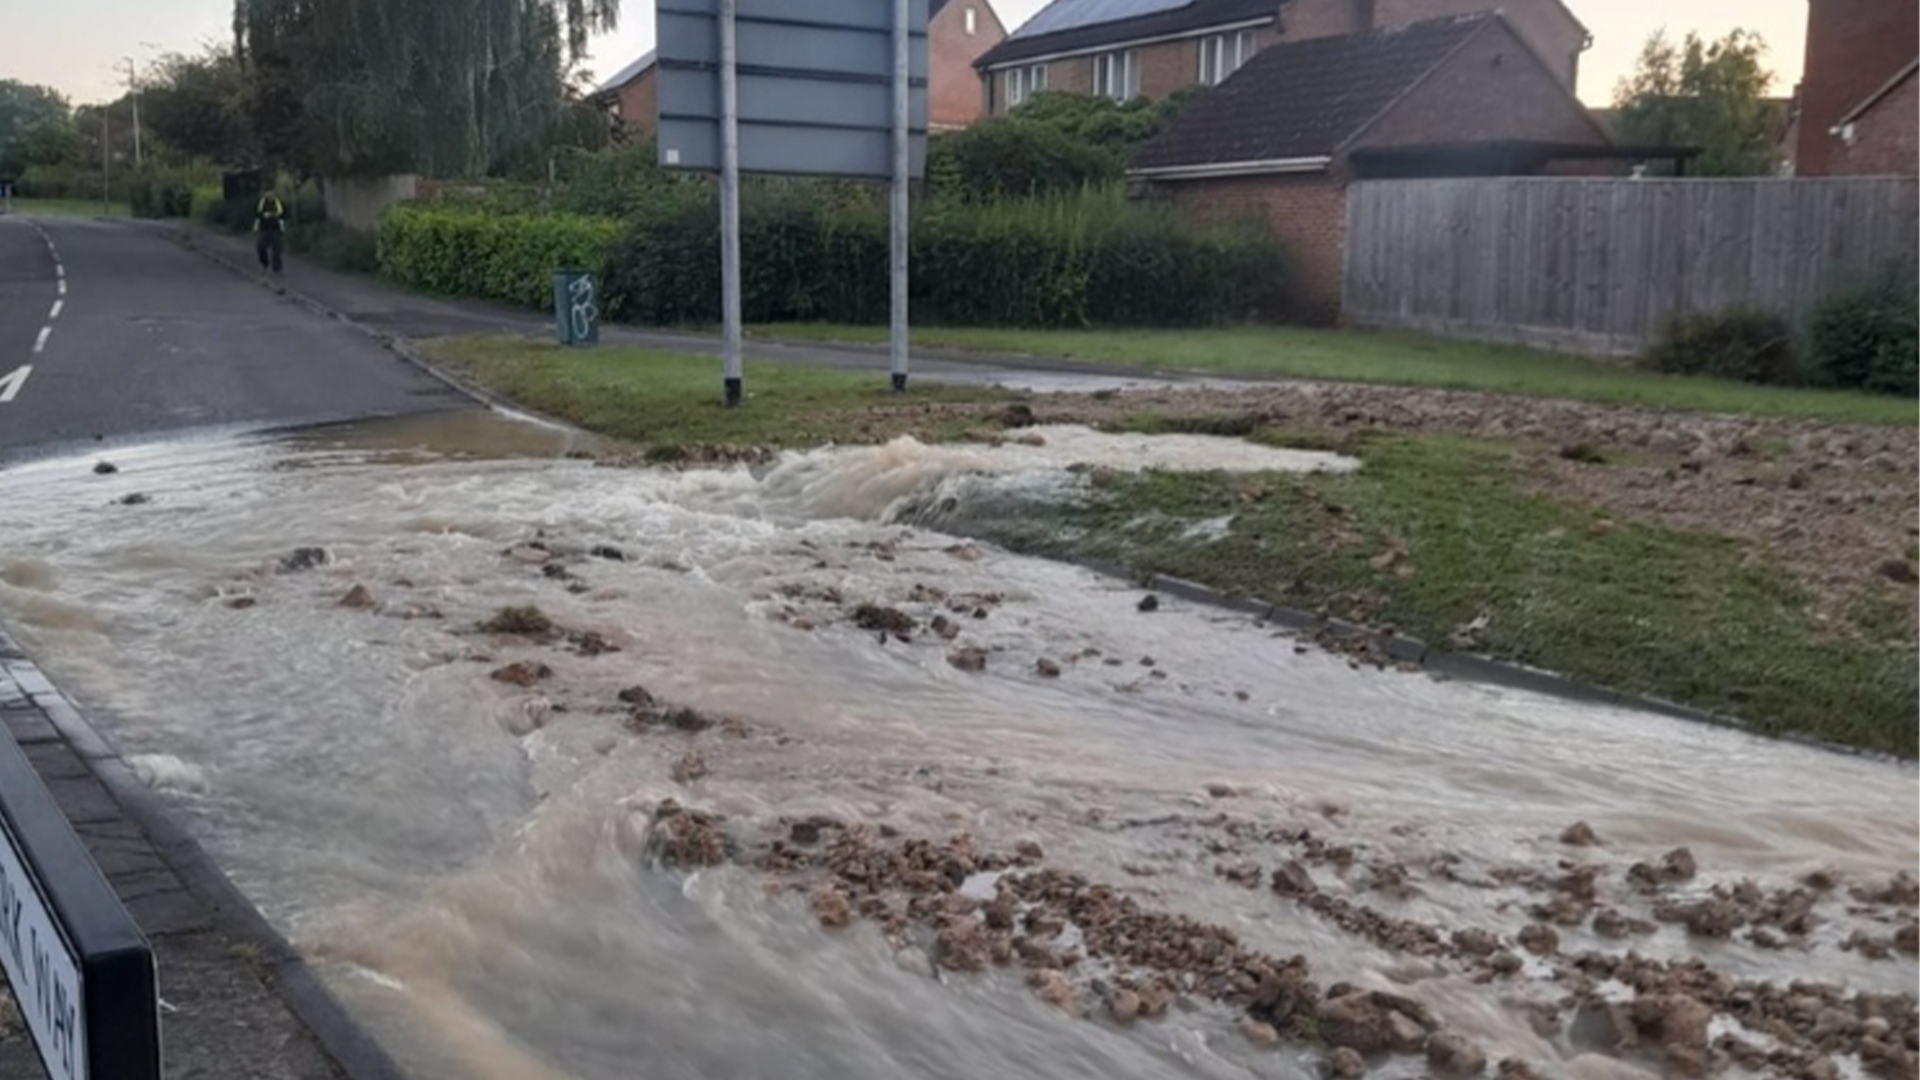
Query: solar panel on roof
(1073, 14)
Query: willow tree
(366, 87)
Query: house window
(973, 24)
(1222, 54)
(1024, 82)
(1117, 75)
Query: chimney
(1362, 16)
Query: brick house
(958, 32)
(1855, 104)
(1282, 137)
(1151, 48)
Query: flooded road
(471, 862)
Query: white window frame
(1223, 54)
(1117, 74)
(973, 22)
(1024, 82)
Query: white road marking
(61, 285)
(10, 386)
(55, 313)
(40, 342)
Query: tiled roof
(627, 74)
(1305, 99)
(1158, 20)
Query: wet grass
(1393, 358)
(669, 404)
(1435, 536)
(70, 208)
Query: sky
(74, 46)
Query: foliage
(1086, 259)
(160, 192)
(198, 105)
(369, 87)
(462, 252)
(1054, 143)
(1868, 338)
(1706, 94)
(36, 127)
(1745, 344)
(334, 245)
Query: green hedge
(1746, 344)
(1088, 259)
(811, 254)
(463, 252)
(1868, 338)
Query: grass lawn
(1436, 534)
(1377, 357)
(70, 208)
(669, 404)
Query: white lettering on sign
(44, 973)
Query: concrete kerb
(285, 972)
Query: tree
(1053, 142)
(366, 87)
(36, 127)
(1710, 95)
(198, 105)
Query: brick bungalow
(1152, 48)
(958, 32)
(1856, 107)
(1283, 136)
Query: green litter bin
(576, 307)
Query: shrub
(332, 244)
(1746, 344)
(1868, 338)
(458, 252)
(1091, 258)
(1013, 157)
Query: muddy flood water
(793, 786)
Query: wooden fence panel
(1597, 265)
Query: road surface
(109, 333)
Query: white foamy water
(463, 856)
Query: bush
(1745, 344)
(1868, 338)
(1092, 258)
(332, 244)
(1013, 157)
(459, 252)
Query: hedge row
(1088, 259)
(464, 252)
(1861, 338)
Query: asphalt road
(151, 339)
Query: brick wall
(1492, 88)
(954, 97)
(1853, 48)
(1302, 19)
(1886, 139)
(638, 108)
(1309, 214)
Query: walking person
(270, 232)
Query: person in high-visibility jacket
(270, 231)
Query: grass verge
(669, 404)
(1376, 357)
(71, 208)
(1435, 535)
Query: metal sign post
(826, 88)
(902, 62)
(730, 203)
